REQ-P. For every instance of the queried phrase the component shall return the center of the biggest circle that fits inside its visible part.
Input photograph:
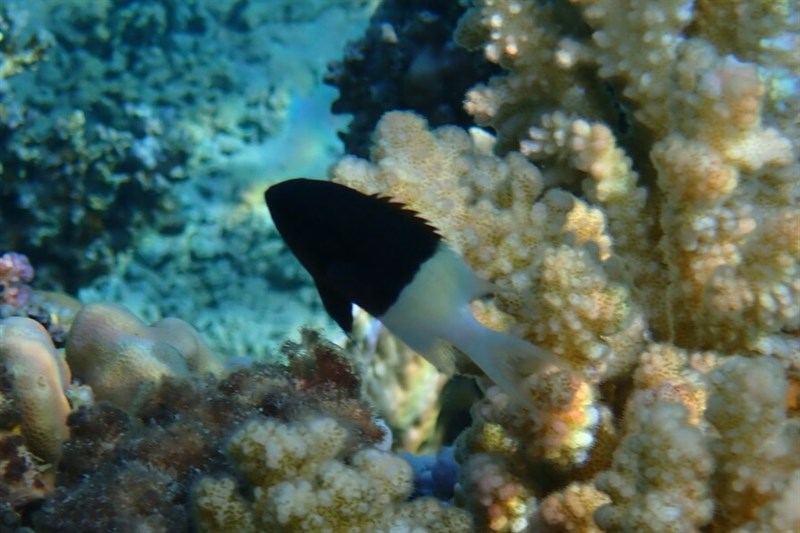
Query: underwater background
(627, 172)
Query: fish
(377, 253)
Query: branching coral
(403, 387)
(726, 204)
(139, 468)
(756, 451)
(655, 243)
(304, 484)
(660, 477)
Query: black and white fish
(382, 256)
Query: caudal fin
(506, 359)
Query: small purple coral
(15, 272)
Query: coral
(498, 498)
(220, 507)
(405, 60)
(480, 203)
(400, 383)
(15, 274)
(134, 468)
(572, 508)
(118, 355)
(636, 204)
(302, 484)
(88, 174)
(659, 480)
(39, 379)
(667, 373)
(711, 128)
(135, 110)
(756, 451)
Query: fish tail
(506, 359)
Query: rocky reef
(137, 137)
(407, 59)
(158, 434)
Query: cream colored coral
(756, 451)
(482, 204)
(637, 41)
(356, 497)
(219, 507)
(583, 316)
(745, 27)
(665, 373)
(268, 451)
(659, 480)
(721, 131)
(549, 252)
(119, 355)
(522, 37)
(656, 244)
(39, 379)
(302, 483)
(557, 427)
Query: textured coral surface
(631, 186)
(636, 198)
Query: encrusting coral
(39, 380)
(638, 209)
(118, 355)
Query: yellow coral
(666, 374)
(219, 507)
(402, 385)
(267, 451)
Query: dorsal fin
(403, 209)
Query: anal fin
(442, 355)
